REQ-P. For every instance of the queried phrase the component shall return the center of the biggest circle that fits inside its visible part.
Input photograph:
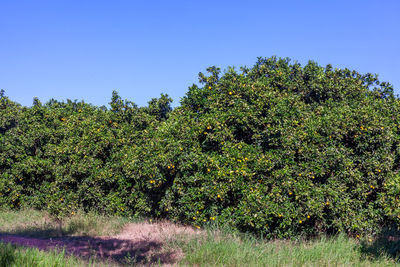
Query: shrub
(279, 150)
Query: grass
(228, 250)
(35, 223)
(213, 248)
(13, 256)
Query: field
(166, 244)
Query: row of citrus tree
(277, 149)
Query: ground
(142, 243)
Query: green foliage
(278, 149)
(63, 156)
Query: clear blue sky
(67, 49)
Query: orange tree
(279, 150)
(64, 156)
(10, 113)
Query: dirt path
(140, 243)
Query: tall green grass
(13, 256)
(232, 250)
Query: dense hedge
(277, 149)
